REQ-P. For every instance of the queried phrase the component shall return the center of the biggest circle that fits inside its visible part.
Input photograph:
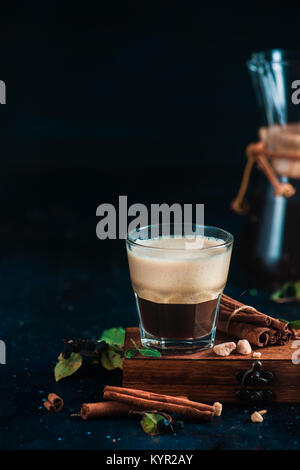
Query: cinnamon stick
(179, 400)
(54, 403)
(245, 322)
(257, 336)
(104, 409)
(143, 400)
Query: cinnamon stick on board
(142, 400)
(245, 322)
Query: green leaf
(149, 352)
(289, 292)
(149, 423)
(295, 325)
(111, 359)
(114, 336)
(283, 320)
(129, 353)
(67, 367)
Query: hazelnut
(243, 347)
(224, 349)
(257, 355)
(256, 417)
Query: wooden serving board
(204, 376)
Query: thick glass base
(177, 346)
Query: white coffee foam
(179, 270)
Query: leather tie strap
(245, 308)
(256, 153)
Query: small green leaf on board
(149, 352)
(129, 353)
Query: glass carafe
(270, 242)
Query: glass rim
(225, 243)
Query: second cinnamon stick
(187, 409)
(183, 401)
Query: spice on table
(144, 400)
(257, 416)
(104, 409)
(245, 322)
(54, 403)
(218, 408)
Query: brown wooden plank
(206, 377)
(206, 372)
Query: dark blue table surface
(44, 298)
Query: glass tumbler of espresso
(178, 280)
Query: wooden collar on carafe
(257, 153)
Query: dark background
(148, 100)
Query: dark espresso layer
(177, 321)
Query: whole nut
(243, 347)
(256, 417)
(256, 355)
(218, 408)
(224, 349)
